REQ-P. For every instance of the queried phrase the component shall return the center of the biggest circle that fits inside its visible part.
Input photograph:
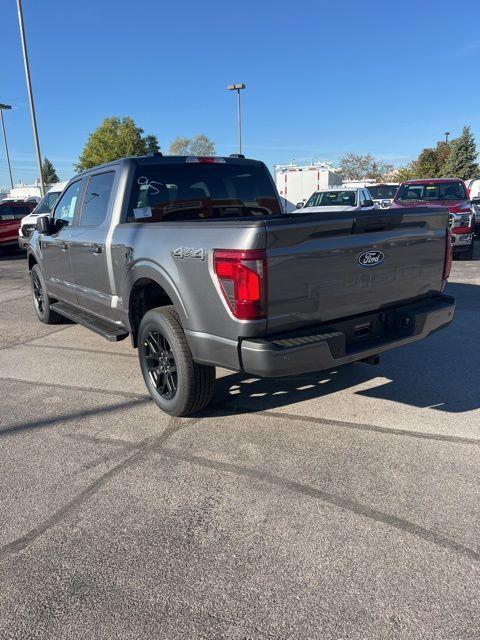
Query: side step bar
(106, 329)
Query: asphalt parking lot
(341, 505)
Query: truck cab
(443, 192)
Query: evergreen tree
(461, 161)
(49, 174)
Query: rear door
(8, 225)
(88, 245)
(319, 268)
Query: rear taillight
(447, 264)
(242, 276)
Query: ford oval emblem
(371, 258)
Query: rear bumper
(349, 340)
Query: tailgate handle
(367, 223)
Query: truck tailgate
(318, 268)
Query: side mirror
(299, 205)
(44, 225)
(367, 203)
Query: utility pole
(30, 94)
(447, 133)
(5, 107)
(238, 87)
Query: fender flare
(153, 271)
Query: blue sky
(323, 78)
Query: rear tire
(177, 384)
(41, 301)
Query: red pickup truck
(443, 192)
(11, 214)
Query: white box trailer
(296, 183)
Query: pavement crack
(439, 437)
(405, 526)
(143, 449)
(59, 385)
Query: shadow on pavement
(9, 256)
(441, 372)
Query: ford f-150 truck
(195, 260)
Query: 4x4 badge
(189, 252)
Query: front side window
(201, 191)
(65, 207)
(332, 199)
(96, 199)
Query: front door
(88, 246)
(56, 247)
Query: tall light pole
(6, 107)
(447, 133)
(238, 87)
(30, 94)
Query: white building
(296, 183)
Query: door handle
(96, 248)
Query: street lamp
(30, 94)
(447, 133)
(6, 107)
(238, 87)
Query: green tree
(427, 164)
(461, 162)
(357, 167)
(404, 173)
(198, 146)
(115, 138)
(151, 143)
(49, 174)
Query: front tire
(41, 301)
(178, 385)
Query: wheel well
(31, 261)
(145, 295)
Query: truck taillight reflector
(242, 275)
(447, 265)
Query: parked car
(11, 213)
(338, 199)
(383, 193)
(43, 208)
(443, 192)
(195, 260)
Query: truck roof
(431, 180)
(158, 158)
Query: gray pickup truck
(195, 260)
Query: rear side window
(96, 199)
(201, 191)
